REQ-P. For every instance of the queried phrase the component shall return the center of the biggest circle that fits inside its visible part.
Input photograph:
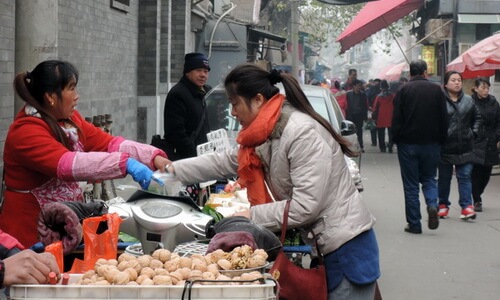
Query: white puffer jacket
(304, 163)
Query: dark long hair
(50, 76)
(248, 80)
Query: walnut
(110, 273)
(260, 252)
(162, 280)
(224, 264)
(155, 263)
(148, 272)
(171, 265)
(256, 261)
(126, 257)
(141, 278)
(121, 278)
(147, 281)
(112, 262)
(161, 271)
(162, 255)
(195, 275)
(132, 273)
(185, 262)
(175, 277)
(184, 272)
(144, 260)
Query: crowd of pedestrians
(439, 131)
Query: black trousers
(381, 139)
(480, 176)
(358, 120)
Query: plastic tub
(264, 291)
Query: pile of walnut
(166, 268)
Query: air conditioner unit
(462, 47)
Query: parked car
(323, 102)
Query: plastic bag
(100, 237)
(56, 249)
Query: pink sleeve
(142, 152)
(80, 166)
(9, 242)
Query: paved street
(459, 260)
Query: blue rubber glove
(141, 173)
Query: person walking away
(340, 96)
(372, 92)
(464, 121)
(357, 109)
(383, 108)
(316, 180)
(185, 115)
(50, 148)
(485, 145)
(349, 84)
(419, 126)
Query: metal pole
(397, 42)
(294, 32)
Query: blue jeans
(418, 164)
(464, 183)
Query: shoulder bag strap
(195, 133)
(284, 228)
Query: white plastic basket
(265, 291)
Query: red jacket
(383, 108)
(39, 169)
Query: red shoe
(468, 213)
(443, 211)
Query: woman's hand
(28, 267)
(160, 162)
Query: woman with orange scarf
(287, 151)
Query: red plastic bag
(56, 249)
(98, 245)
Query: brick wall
(7, 48)
(102, 42)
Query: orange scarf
(250, 172)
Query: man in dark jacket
(357, 109)
(419, 127)
(185, 116)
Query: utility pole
(294, 37)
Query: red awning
(373, 17)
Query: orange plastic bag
(98, 245)
(56, 249)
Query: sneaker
(468, 213)
(478, 207)
(433, 222)
(443, 211)
(412, 230)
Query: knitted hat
(194, 61)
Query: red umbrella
(373, 17)
(393, 72)
(482, 59)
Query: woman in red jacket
(382, 114)
(50, 148)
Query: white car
(323, 102)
